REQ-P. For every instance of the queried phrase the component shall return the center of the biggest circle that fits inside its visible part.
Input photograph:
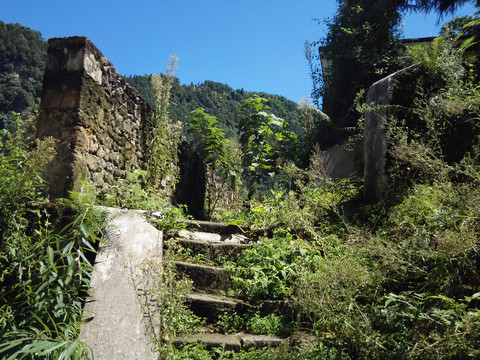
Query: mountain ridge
(22, 61)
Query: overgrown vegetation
(208, 140)
(361, 47)
(265, 141)
(161, 168)
(45, 256)
(398, 279)
(395, 280)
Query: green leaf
(50, 257)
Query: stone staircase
(114, 318)
(214, 242)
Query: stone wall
(104, 127)
(101, 122)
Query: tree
(264, 138)
(217, 99)
(439, 6)
(361, 47)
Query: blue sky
(252, 44)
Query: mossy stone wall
(101, 122)
(104, 129)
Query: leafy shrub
(232, 322)
(317, 202)
(264, 139)
(254, 323)
(44, 257)
(269, 268)
(134, 193)
(209, 139)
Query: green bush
(271, 266)
(254, 323)
(44, 258)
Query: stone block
(343, 161)
(115, 327)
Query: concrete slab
(257, 341)
(115, 327)
(212, 306)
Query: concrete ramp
(115, 326)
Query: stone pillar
(62, 82)
(102, 124)
(395, 89)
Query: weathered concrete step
(213, 250)
(202, 225)
(277, 307)
(213, 237)
(214, 227)
(235, 342)
(208, 279)
(211, 306)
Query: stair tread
(213, 251)
(215, 227)
(206, 278)
(211, 307)
(199, 266)
(231, 341)
(214, 298)
(209, 237)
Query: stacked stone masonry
(102, 125)
(101, 122)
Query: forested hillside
(22, 61)
(217, 99)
